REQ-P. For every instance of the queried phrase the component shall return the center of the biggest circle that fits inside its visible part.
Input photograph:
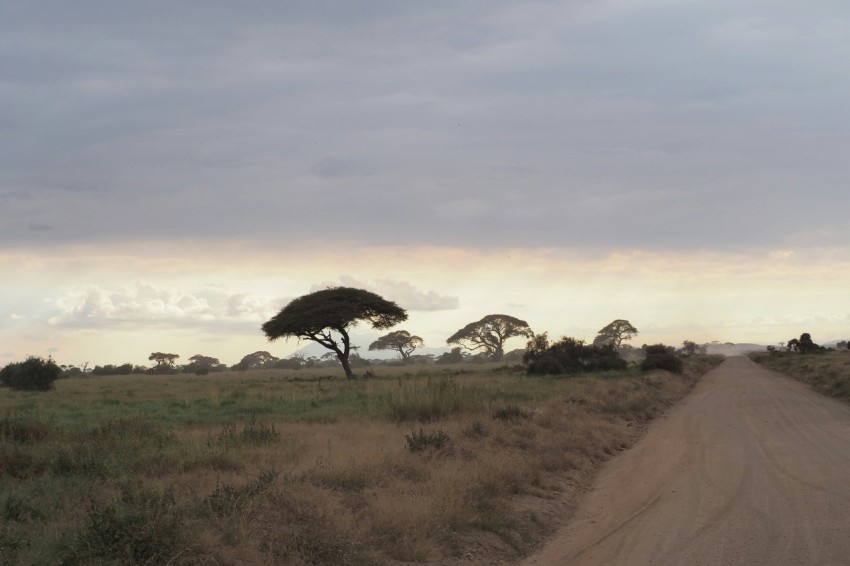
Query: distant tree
(806, 345)
(490, 333)
(842, 345)
(399, 340)
(455, 356)
(292, 362)
(201, 364)
(515, 355)
(659, 356)
(111, 369)
(793, 345)
(615, 333)
(326, 316)
(357, 361)
(537, 344)
(163, 360)
(690, 348)
(70, 371)
(108, 369)
(256, 360)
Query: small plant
(34, 374)
(509, 413)
(228, 499)
(421, 441)
(476, 428)
(255, 433)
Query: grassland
(414, 465)
(827, 372)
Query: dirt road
(753, 468)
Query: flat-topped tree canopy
(490, 334)
(399, 340)
(318, 315)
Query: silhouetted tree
(164, 362)
(203, 364)
(325, 317)
(806, 345)
(256, 360)
(33, 374)
(399, 340)
(659, 356)
(615, 333)
(490, 334)
(691, 348)
(793, 345)
(569, 355)
(455, 356)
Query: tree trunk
(346, 366)
(498, 354)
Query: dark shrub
(659, 356)
(569, 355)
(143, 527)
(34, 374)
(419, 441)
(510, 413)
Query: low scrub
(140, 527)
(569, 355)
(828, 372)
(659, 356)
(421, 441)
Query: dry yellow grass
(325, 473)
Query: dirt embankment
(750, 469)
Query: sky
(172, 174)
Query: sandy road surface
(752, 468)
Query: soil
(751, 469)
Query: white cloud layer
(405, 294)
(145, 305)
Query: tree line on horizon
(326, 316)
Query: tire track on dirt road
(752, 468)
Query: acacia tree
(399, 340)
(806, 345)
(690, 348)
(490, 334)
(162, 360)
(202, 363)
(615, 333)
(255, 360)
(325, 317)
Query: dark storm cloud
(647, 123)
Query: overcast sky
(173, 173)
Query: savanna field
(417, 464)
